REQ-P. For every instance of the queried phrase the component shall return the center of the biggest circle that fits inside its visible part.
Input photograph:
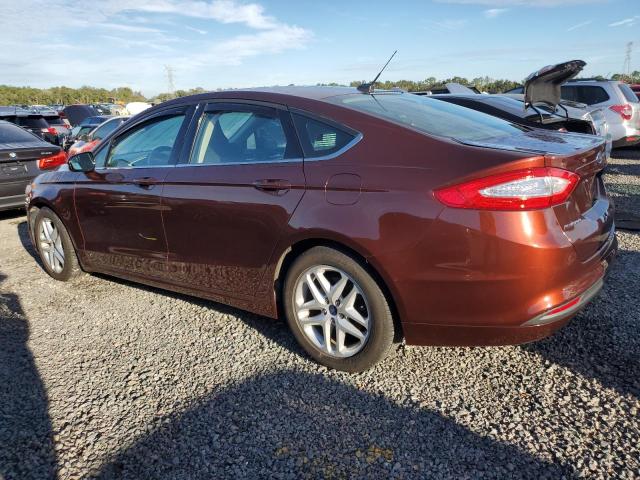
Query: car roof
(272, 94)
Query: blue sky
(231, 43)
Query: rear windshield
(12, 134)
(628, 93)
(32, 122)
(55, 121)
(429, 115)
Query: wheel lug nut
(341, 316)
(337, 303)
(324, 312)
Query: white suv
(618, 102)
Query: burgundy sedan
(363, 218)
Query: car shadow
(615, 363)
(26, 437)
(25, 240)
(300, 425)
(628, 153)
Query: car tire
(358, 315)
(53, 244)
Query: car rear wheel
(54, 246)
(337, 311)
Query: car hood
(543, 86)
(77, 113)
(541, 141)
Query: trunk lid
(543, 86)
(19, 165)
(587, 216)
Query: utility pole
(169, 71)
(626, 69)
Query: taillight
(51, 130)
(52, 161)
(528, 189)
(625, 111)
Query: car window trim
(233, 105)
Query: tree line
(10, 95)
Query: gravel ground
(105, 379)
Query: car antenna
(368, 87)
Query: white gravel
(102, 378)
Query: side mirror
(82, 162)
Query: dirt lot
(102, 378)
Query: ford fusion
(363, 218)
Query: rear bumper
(13, 202)
(536, 328)
(628, 141)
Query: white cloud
(579, 25)
(450, 24)
(521, 3)
(125, 42)
(494, 12)
(197, 30)
(627, 22)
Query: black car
(23, 156)
(514, 111)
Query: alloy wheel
(332, 311)
(51, 245)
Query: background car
(89, 141)
(23, 156)
(617, 101)
(363, 217)
(84, 128)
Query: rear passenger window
(228, 137)
(318, 138)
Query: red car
(362, 217)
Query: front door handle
(273, 185)
(145, 182)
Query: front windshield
(429, 115)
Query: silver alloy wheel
(332, 311)
(51, 245)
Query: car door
(229, 200)
(118, 204)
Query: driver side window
(147, 145)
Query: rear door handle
(273, 185)
(145, 182)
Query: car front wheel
(54, 246)
(337, 311)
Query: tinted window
(149, 144)
(32, 122)
(429, 115)
(84, 131)
(239, 137)
(516, 90)
(319, 138)
(627, 92)
(12, 134)
(106, 128)
(584, 94)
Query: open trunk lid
(543, 86)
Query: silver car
(618, 102)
